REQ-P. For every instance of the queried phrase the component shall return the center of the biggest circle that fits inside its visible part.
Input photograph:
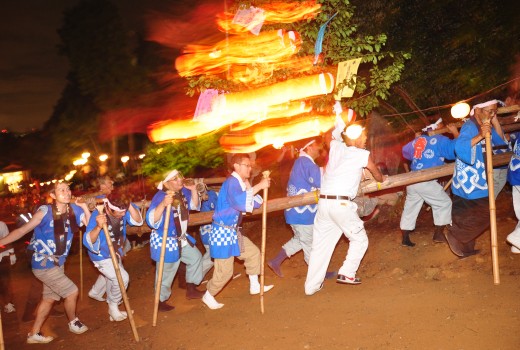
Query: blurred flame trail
(245, 106)
(262, 136)
(188, 25)
(279, 12)
(266, 48)
(242, 102)
(243, 58)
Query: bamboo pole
(492, 210)
(80, 265)
(2, 346)
(392, 182)
(161, 265)
(500, 110)
(265, 174)
(115, 262)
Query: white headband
(302, 150)
(485, 104)
(111, 206)
(433, 126)
(170, 176)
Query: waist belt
(326, 196)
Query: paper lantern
(354, 131)
(460, 110)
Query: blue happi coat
(513, 171)
(172, 245)
(98, 250)
(469, 178)
(233, 199)
(305, 177)
(208, 205)
(42, 241)
(429, 151)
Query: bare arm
(23, 230)
(159, 209)
(101, 220)
(372, 167)
(134, 213)
(264, 183)
(484, 129)
(452, 128)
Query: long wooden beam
(503, 120)
(393, 181)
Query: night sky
(32, 74)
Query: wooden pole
(392, 182)
(115, 262)
(2, 345)
(161, 265)
(500, 110)
(80, 264)
(262, 251)
(492, 210)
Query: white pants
(499, 179)
(434, 195)
(516, 206)
(334, 218)
(107, 281)
(302, 240)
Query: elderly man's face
(486, 114)
(175, 183)
(107, 186)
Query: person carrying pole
(117, 215)
(305, 177)
(180, 197)
(470, 213)
(426, 152)
(54, 227)
(226, 240)
(337, 213)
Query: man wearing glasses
(470, 213)
(226, 241)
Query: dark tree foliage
(460, 48)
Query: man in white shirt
(337, 213)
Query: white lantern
(354, 131)
(460, 110)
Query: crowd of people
(317, 227)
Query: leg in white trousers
(335, 217)
(112, 285)
(434, 195)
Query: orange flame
(244, 102)
(266, 48)
(262, 136)
(279, 12)
(248, 107)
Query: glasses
(490, 111)
(246, 165)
